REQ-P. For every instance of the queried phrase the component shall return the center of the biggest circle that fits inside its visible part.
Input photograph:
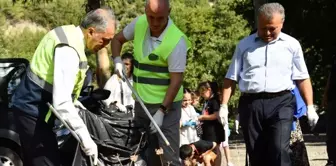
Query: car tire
(9, 157)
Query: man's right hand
(158, 118)
(118, 66)
(88, 146)
(223, 114)
(90, 149)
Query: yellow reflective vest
(151, 75)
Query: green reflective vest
(42, 65)
(151, 75)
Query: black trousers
(38, 141)
(266, 123)
(331, 131)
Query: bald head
(158, 5)
(157, 13)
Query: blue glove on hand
(193, 123)
(189, 123)
(186, 124)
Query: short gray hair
(268, 9)
(99, 19)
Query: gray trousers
(170, 128)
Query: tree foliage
(23, 24)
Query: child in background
(188, 122)
(213, 130)
(200, 151)
(195, 101)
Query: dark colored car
(115, 133)
(11, 71)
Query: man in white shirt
(56, 75)
(121, 94)
(266, 65)
(160, 50)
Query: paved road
(315, 146)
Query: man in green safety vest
(56, 75)
(160, 51)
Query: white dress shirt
(258, 66)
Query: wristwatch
(163, 109)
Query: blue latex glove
(193, 123)
(186, 124)
(189, 123)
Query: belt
(266, 95)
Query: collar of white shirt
(160, 38)
(280, 37)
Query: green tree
(24, 24)
(214, 31)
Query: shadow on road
(317, 139)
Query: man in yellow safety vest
(160, 50)
(56, 75)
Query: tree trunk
(257, 4)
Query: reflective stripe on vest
(44, 84)
(39, 81)
(63, 39)
(151, 68)
(61, 35)
(151, 81)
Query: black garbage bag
(116, 135)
